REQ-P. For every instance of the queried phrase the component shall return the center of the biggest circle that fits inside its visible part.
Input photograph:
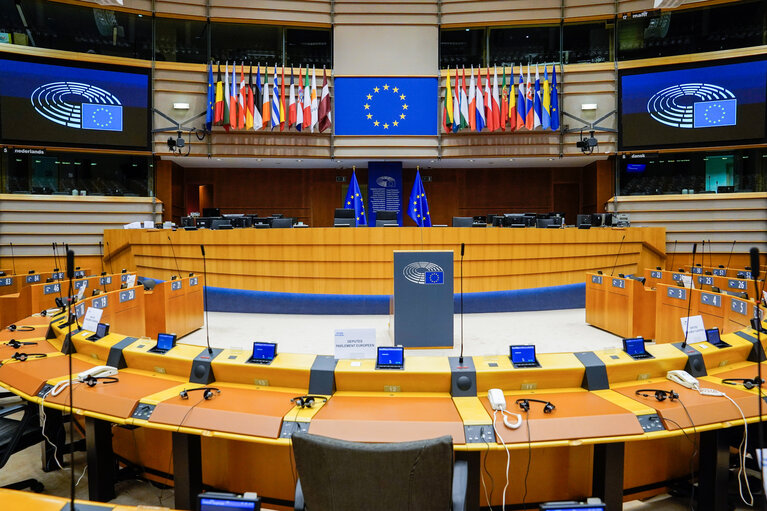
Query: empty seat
(462, 221)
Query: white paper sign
(686, 281)
(697, 332)
(133, 225)
(355, 343)
(148, 224)
(92, 319)
(130, 281)
(80, 293)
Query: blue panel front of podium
(423, 299)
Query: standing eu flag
(354, 201)
(211, 98)
(554, 100)
(418, 207)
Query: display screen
(166, 341)
(692, 105)
(634, 346)
(56, 102)
(102, 329)
(264, 351)
(391, 356)
(522, 354)
(225, 504)
(712, 336)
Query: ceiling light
(181, 106)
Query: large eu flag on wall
(386, 106)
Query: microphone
(673, 254)
(730, 258)
(109, 253)
(101, 253)
(460, 358)
(174, 256)
(13, 260)
(70, 264)
(56, 262)
(205, 298)
(619, 253)
(689, 301)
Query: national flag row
(239, 106)
(528, 106)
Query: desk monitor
(712, 336)
(523, 356)
(211, 501)
(634, 347)
(573, 506)
(164, 343)
(389, 357)
(263, 353)
(102, 330)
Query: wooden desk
(174, 306)
(622, 306)
(15, 500)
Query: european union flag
(708, 114)
(386, 106)
(418, 207)
(434, 277)
(354, 201)
(102, 117)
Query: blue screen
(221, 504)
(264, 351)
(67, 103)
(165, 341)
(391, 356)
(522, 354)
(102, 329)
(634, 346)
(636, 167)
(712, 336)
(683, 105)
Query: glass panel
(246, 42)
(462, 47)
(733, 25)
(181, 40)
(308, 47)
(587, 42)
(522, 45)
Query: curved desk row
(601, 439)
(12, 499)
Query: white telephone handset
(683, 378)
(498, 403)
(97, 372)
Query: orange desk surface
(578, 414)
(39, 331)
(29, 376)
(237, 410)
(115, 399)
(702, 409)
(14, 500)
(750, 371)
(42, 346)
(388, 418)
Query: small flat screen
(226, 504)
(523, 354)
(264, 351)
(166, 341)
(712, 336)
(102, 329)
(392, 357)
(634, 346)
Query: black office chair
(384, 218)
(221, 223)
(282, 223)
(344, 218)
(462, 221)
(18, 434)
(583, 221)
(544, 223)
(337, 475)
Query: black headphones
(91, 381)
(21, 357)
(13, 343)
(307, 401)
(22, 328)
(749, 383)
(207, 392)
(524, 404)
(659, 394)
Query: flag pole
(420, 231)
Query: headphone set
(22, 328)
(91, 381)
(524, 404)
(307, 401)
(207, 393)
(660, 395)
(13, 343)
(748, 383)
(21, 357)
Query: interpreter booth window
(308, 47)
(179, 40)
(76, 28)
(683, 31)
(691, 173)
(587, 42)
(77, 174)
(462, 47)
(523, 45)
(246, 42)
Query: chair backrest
(344, 213)
(383, 223)
(337, 475)
(282, 223)
(386, 215)
(345, 222)
(543, 223)
(462, 221)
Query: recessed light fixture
(181, 106)
(551, 159)
(511, 159)
(299, 161)
(219, 159)
(259, 159)
(471, 161)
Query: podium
(423, 299)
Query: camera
(587, 144)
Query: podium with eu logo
(423, 299)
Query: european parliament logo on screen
(424, 273)
(386, 106)
(78, 105)
(694, 105)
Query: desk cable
(484, 469)
(508, 454)
(529, 455)
(42, 427)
